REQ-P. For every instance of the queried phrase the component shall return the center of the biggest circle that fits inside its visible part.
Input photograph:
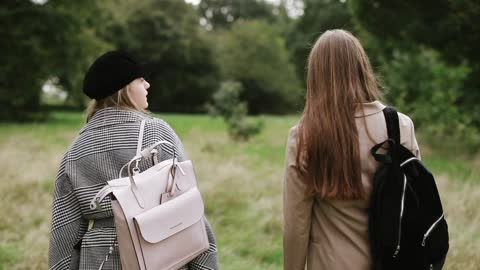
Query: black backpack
(407, 228)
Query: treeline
(423, 51)
(191, 50)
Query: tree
(23, 53)
(254, 54)
(448, 26)
(226, 103)
(78, 46)
(319, 16)
(40, 42)
(167, 35)
(423, 85)
(218, 14)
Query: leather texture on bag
(158, 213)
(153, 225)
(125, 240)
(161, 247)
(154, 228)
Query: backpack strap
(393, 128)
(140, 137)
(393, 132)
(139, 144)
(102, 193)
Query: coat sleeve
(208, 259)
(407, 134)
(413, 141)
(67, 227)
(297, 211)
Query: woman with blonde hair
(80, 237)
(329, 168)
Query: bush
(429, 90)
(227, 104)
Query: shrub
(430, 91)
(227, 104)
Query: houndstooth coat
(107, 142)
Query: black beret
(109, 73)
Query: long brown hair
(339, 80)
(120, 99)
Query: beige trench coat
(330, 235)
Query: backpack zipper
(401, 216)
(431, 229)
(408, 160)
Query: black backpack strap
(393, 130)
(393, 127)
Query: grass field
(241, 184)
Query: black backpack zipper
(402, 205)
(425, 236)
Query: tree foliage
(319, 16)
(166, 35)
(449, 26)
(425, 52)
(428, 89)
(39, 42)
(254, 54)
(218, 14)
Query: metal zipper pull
(101, 265)
(98, 198)
(396, 251)
(110, 251)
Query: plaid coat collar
(112, 116)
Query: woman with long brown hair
(329, 168)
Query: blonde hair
(121, 99)
(339, 79)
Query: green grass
(241, 184)
(8, 255)
(461, 170)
